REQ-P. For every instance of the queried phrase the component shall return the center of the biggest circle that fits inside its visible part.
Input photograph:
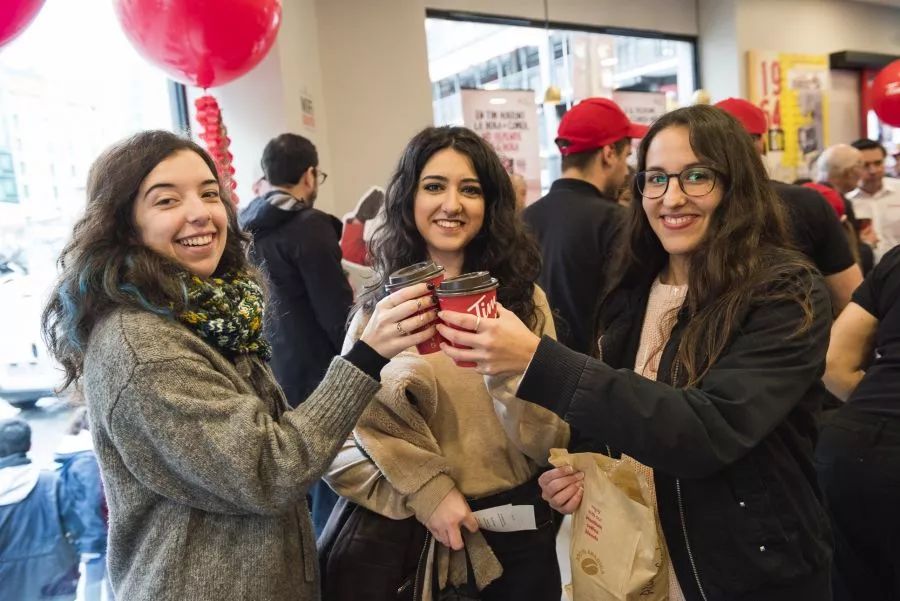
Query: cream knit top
(659, 319)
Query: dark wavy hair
(104, 265)
(746, 256)
(502, 246)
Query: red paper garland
(215, 136)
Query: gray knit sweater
(205, 468)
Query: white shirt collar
(888, 187)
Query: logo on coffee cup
(484, 306)
(590, 563)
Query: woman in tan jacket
(158, 315)
(443, 444)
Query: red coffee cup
(419, 273)
(474, 293)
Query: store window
(476, 55)
(70, 85)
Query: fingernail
(568, 469)
(579, 476)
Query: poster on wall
(793, 91)
(641, 107)
(309, 114)
(508, 120)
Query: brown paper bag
(617, 552)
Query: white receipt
(506, 518)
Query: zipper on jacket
(419, 568)
(687, 542)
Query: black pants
(530, 565)
(858, 459)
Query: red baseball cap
(751, 116)
(831, 195)
(594, 123)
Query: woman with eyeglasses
(711, 350)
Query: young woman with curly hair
(157, 314)
(433, 432)
(712, 350)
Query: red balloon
(201, 42)
(886, 94)
(15, 16)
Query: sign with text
(508, 120)
(792, 89)
(641, 107)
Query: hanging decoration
(215, 136)
(204, 43)
(886, 94)
(552, 95)
(15, 16)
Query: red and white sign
(508, 120)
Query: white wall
(730, 28)
(794, 26)
(843, 110)
(375, 78)
(818, 26)
(266, 102)
(301, 68)
(718, 48)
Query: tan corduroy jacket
(434, 427)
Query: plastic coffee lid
(414, 274)
(467, 283)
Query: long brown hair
(502, 247)
(746, 256)
(104, 265)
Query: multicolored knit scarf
(227, 313)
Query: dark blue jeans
(321, 501)
(858, 460)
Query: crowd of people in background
(264, 430)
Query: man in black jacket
(297, 247)
(578, 221)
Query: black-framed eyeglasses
(694, 181)
(321, 176)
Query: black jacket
(815, 228)
(576, 228)
(309, 296)
(732, 456)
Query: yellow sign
(793, 91)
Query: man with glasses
(577, 223)
(298, 247)
(876, 198)
(814, 224)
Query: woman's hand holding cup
(396, 321)
(500, 345)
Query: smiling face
(179, 214)
(449, 206)
(678, 220)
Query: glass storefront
(466, 55)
